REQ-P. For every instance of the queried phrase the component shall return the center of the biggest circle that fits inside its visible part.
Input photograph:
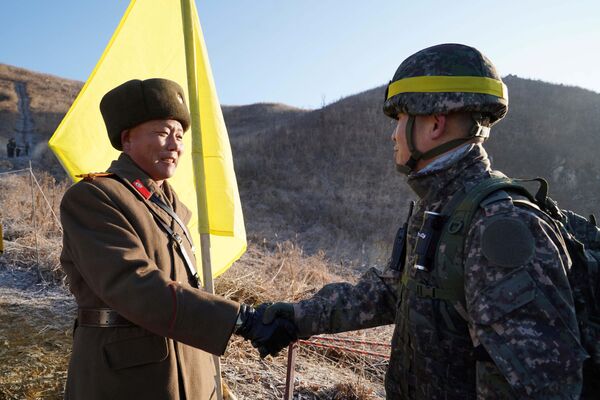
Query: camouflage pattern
(524, 314)
(588, 233)
(446, 60)
(517, 337)
(585, 283)
(333, 308)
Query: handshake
(269, 327)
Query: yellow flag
(150, 43)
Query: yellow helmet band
(446, 84)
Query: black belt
(101, 318)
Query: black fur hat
(137, 101)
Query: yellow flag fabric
(149, 43)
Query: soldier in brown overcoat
(144, 329)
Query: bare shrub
(32, 234)
(283, 272)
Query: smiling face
(155, 146)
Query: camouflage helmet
(447, 78)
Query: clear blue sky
(306, 52)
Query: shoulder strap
(455, 231)
(93, 175)
(399, 251)
(459, 212)
(178, 244)
(177, 240)
(166, 208)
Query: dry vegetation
(325, 179)
(283, 272)
(320, 179)
(50, 96)
(8, 108)
(36, 311)
(259, 117)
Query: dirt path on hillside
(24, 125)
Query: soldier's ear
(438, 127)
(126, 140)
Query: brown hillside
(325, 178)
(31, 107)
(49, 96)
(254, 118)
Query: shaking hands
(270, 327)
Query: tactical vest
(432, 353)
(431, 335)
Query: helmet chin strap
(415, 155)
(478, 130)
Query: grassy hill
(31, 107)
(322, 178)
(328, 180)
(325, 178)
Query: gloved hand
(278, 310)
(270, 338)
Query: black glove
(270, 338)
(278, 310)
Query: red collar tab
(143, 190)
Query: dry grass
(48, 93)
(276, 273)
(281, 272)
(35, 337)
(32, 233)
(36, 310)
(325, 178)
(49, 99)
(8, 96)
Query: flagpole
(198, 162)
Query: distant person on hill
(144, 328)
(27, 149)
(10, 148)
(498, 320)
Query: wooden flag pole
(198, 162)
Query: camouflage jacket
(517, 337)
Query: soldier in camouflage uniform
(513, 334)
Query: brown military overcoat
(116, 256)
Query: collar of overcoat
(128, 172)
